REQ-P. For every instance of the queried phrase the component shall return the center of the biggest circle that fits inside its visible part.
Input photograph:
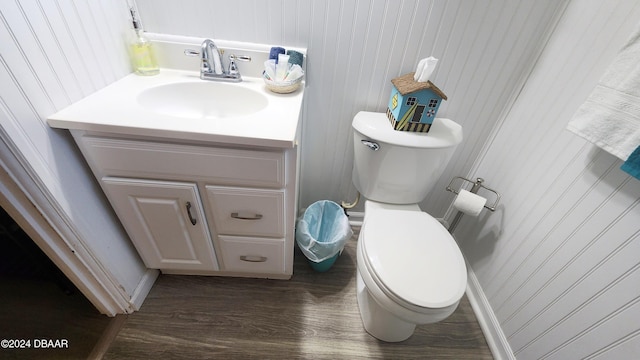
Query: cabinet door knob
(191, 218)
(250, 258)
(236, 215)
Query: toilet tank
(400, 167)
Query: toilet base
(377, 321)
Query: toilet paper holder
(477, 185)
(474, 189)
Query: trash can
(321, 233)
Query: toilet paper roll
(469, 203)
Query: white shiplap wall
(356, 47)
(559, 260)
(53, 53)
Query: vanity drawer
(252, 212)
(130, 158)
(252, 255)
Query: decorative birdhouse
(413, 105)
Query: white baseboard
(143, 288)
(489, 324)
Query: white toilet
(410, 269)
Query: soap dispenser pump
(141, 50)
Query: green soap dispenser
(141, 51)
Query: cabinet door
(165, 221)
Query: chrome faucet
(211, 59)
(211, 63)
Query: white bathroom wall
(53, 53)
(356, 47)
(559, 261)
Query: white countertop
(114, 109)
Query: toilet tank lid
(376, 126)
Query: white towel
(610, 117)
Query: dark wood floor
(312, 316)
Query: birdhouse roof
(406, 85)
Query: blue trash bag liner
(323, 230)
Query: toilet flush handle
(371, 144)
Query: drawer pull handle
(253, 258)
(191, 218)
(236, 215)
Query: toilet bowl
(410, 271)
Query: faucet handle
(233, 68)
(234, 57)
(191, 52)
(204, 66)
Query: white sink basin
(198, 100)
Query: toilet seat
(413, 259)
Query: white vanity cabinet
(200, 208)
